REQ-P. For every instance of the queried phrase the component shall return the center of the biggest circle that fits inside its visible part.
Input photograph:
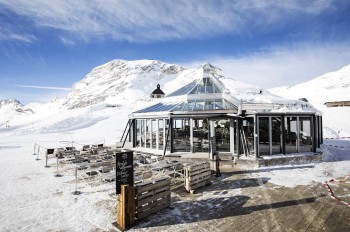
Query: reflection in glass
(160, 133)
(305, 138)
(154, 133)
(182, 135)
(291, 134)
(148, 133)
(264, 141)
(166, 135)
(142, 133)
(200, 135)
(248, 132)
(222, 134)
(276, 135)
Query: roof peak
(209, 67)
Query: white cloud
(160, 20)
(283, 65)
(8, 35)
(43, 87)
(67, 42)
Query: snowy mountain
(10, 109)
(128, 84)
(120, 82)
(333, 86)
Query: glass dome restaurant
(213, 113)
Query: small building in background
(337, 104)
(157, 93)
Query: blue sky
(46, 46)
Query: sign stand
(124, 171)
(126, 208)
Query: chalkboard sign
(124, 169)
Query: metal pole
(34, 148)
(57, 174)
(37, 158)
(76, 180)
(46, 159)
(76, 192)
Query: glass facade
(275, 134)
(297, 133)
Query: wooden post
(126, 207)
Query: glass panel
(182, 135)
(209, 105)
(291, 134)
(222, 134)
(199, 105)
(154, 133)
(189, 106)
(138, 132)
(199, 89)
(160, 133)
(248, 129)
(184, 90)
(143, 133)
(208, 86)
(264, 141)
(200, 135)
(148, 133)
(167, 138)
(216, 89)
(218, 104)
(229, 105)
(179, 107)
(276, 135)
(305, 138)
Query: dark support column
(134, 134)
(283, 135)
(238, 136)
(171, 133)
(126, 127)
(128, 131)
(321, 129)
(314, 133)
(256, 138)
(167, 138)
(131, 130)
